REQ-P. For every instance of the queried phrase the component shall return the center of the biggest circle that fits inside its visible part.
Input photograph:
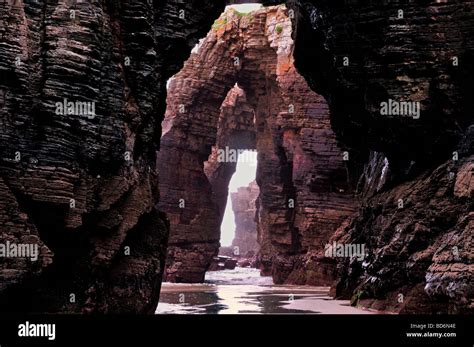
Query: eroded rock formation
(359, 56)
(82, 186)
(244, 207)
(304, 191)
(415, 173)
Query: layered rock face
(419, 252)
(244, 207)
(414, 173)
(302, 176)
(82, 91)
(373, 51)
(194, 197)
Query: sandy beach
(243, 291)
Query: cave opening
(238, 238)
(245, 174)
(240, 90)
(81, 185)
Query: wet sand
(243, 291)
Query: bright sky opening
(245, 8)
(244, 174)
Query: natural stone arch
(297, 151)
(235, 132)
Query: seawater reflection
(243, 291)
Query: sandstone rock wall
(419, 255)
(84, 189)
(243, 205)
(301, 172)
(83, 186)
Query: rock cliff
(414, 174)
(244, 207)
(82, 96)
(301, 173)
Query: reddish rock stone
(304, 191)
(243, 205)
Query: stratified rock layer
(243, 205)
(83, 187)
(418, 51)
(304, 191)
(414, 174)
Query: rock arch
(276, 113)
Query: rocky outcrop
(420, 257)
(243, 205)
(82, 93)
(195, 197)
(413, 173)
(302, 176)
(221, 262)
(79, 181)
(419, 51)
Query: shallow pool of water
(243, 291)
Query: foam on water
(241, 276)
